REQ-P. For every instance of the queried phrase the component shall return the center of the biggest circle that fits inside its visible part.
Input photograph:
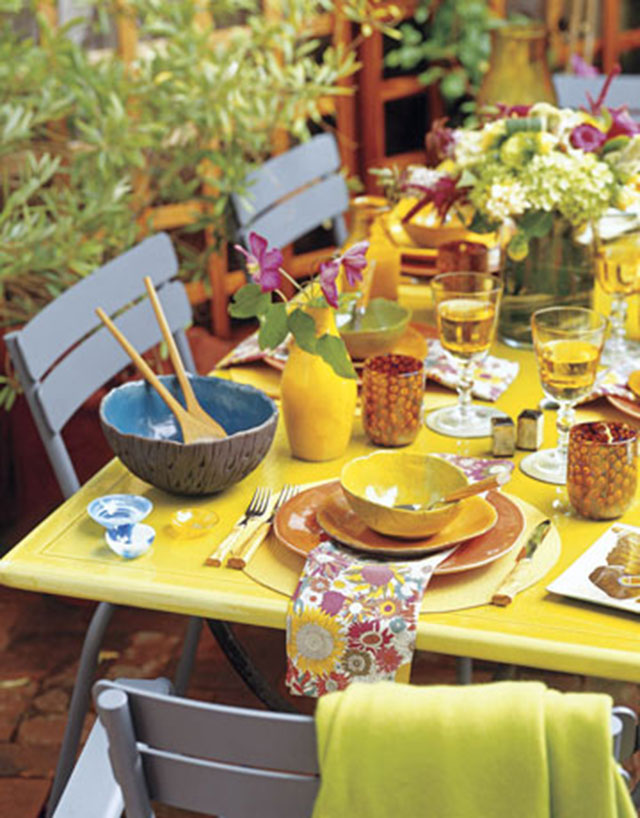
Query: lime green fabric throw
(503, 750)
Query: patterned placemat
(278, 568)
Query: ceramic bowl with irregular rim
(117, 510)
(144, 434)
(375, 485)
(375, 331)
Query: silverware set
(251, 530)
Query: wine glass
(466, 314)
(568, 343)
(618, 273)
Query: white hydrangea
(505, 200)
(469, 148)
(423, 176)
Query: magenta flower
(263, 264)
(622, 123)
(353, 261)
(328, 274)
(587, 137)
(581, 68)
(516, 111)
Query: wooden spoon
(193, 430)
(193, 406)
(493, 482)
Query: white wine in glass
(466, 315)
(568, 344)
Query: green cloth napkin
(498, 750)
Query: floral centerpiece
(318, 385)
(279, 318)
(541, 176)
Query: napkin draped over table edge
(478, 751)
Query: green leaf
(332, 350)
(273, 326)
(249, 302)
(536, 224)
(303, 328)
(480, 224)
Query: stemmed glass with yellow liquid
(568, 344)
(618, 273)
(466, 314)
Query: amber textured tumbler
(602, 473)
(392, 390)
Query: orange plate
(297, 527)
(628, 407)
(411, 342)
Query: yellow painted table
(66, 555)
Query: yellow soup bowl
(389, 490)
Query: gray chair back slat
(286, 173)
(100, 357)
(294, 193)
(233, 734)
(300, 214)
(571, 91)
(207, 757)
(234, 792)
(70, 317)
(62, 343)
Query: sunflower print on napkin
(353, 618)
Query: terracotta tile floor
(40, 639)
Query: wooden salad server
(193, 406)
(193, 430)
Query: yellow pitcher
(317, 404)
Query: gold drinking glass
(568, 343)
(466, 314)
(618, 272)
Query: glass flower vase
(557, 272)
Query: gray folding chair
(61, 357)
(207, 758)
(293, 193)
(571, 91)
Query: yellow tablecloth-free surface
(66, 555)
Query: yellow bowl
(426, 229)
(377, 484)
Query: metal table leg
(242, 664)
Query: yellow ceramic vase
(317, 405)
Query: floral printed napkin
(491, 377)
(355, 618)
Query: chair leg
(464, 670)
(188, 655)
(80, 698)
(248, 672)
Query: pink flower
(622, 123)
(581, 67)
(328, 274)
(516, 111)
(354, 260)
(332, 602)
(587, 138)
(263, 264)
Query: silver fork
(239, 559)
(258, 507)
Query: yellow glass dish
(188, 523)
(377, 484)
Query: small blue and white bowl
(121, 516)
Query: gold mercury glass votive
(392, 390)
(602, 472)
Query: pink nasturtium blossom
(622, 123)
(354, 261)
(587, 138)
(263, 264)
(328, 281)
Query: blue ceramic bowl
(144, 434)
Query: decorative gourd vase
(518, 71)
(317, 404)
(557, 272)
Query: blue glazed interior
(119, 511)
(135, 408)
